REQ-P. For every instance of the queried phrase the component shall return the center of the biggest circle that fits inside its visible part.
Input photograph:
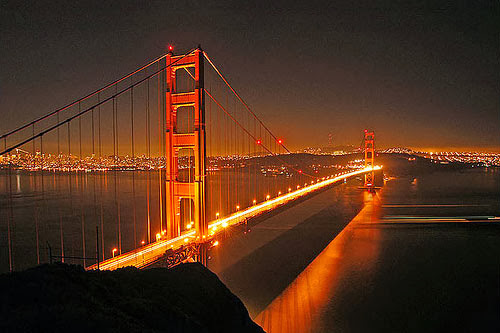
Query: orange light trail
(147, 254)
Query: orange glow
(156, 249)
(296, 309)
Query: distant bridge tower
(369, 158)
(185, 145)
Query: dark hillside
(59, 297)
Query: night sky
(422, 75)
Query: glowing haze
(418, 77)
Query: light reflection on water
(424, 260)
(297, 308)
(63, 209)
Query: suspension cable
(253, 137)
(118, 93)
(241, 99)
(85, 97)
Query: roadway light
(142, 243)
(267, 197)
(254, 201)
(217, 215)
(114, 251)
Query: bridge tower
(185, 146)
(369, 158)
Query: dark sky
(422, 74)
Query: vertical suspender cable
(101, 213)
(37, 208)
(82, 197)
(10, 217)
(160, 135)
(133, 159)
(117, 179)
(42, 187)
(148, 181)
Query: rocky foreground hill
(59, 297)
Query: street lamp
(114, 251)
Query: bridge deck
(147, 254)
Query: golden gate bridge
(152, 168)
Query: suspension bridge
(153, 167)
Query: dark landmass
(60, 297)
(400, 164)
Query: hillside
(59, 297)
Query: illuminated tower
(369, 157)
(185, 144)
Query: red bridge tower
(185, 145)
(369, 158)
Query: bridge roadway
(145, 255)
